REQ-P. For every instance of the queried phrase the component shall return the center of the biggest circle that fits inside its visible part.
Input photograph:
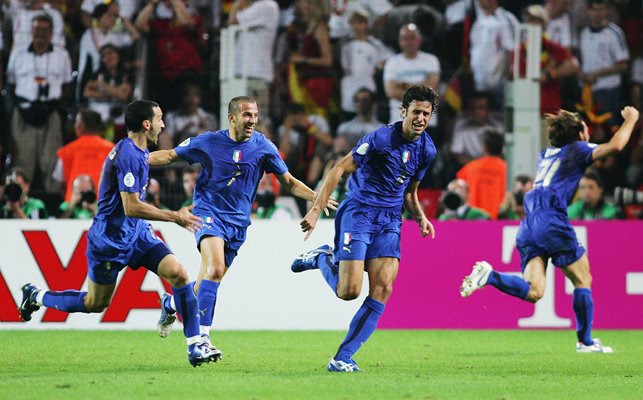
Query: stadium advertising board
(260, 291)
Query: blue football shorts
(548, 234)
(233, 236)
(147, 251)
(363, 232)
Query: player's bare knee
(348, 292)
(176, 276)
(534, 295)
(382, 292)
(96, 306)
(214, 273)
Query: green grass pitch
(437, 364)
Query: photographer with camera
(591, 204)
(512, 206)
(456, 203)
(84, 202)
(18, 204)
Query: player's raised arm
(345, 166)
(134, 207)
(163, 157)
(414, 207)
(622, 135)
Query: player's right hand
(630, 112)
(308, 223)
(188, 220)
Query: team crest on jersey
(208, 220)
(185, 142)
(406, 156)
(236, 155)
(347, 237)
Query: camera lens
(452, 201)
(13, 192)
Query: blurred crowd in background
(324, 73)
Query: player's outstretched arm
(345, 166)
(299, 189)
(134, 207)
(163, 157)
(621, 137)
(414, 207)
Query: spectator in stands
(38, 77)
(85, 155)
(363, 122)
(128, 9)
(512, 205)
(455, 202)
(109, 90)
(305, 143)
(260, 19)
(84, 200)
(556, 62)
(96, 37)
(18, 203)
(591, 204)
(172, 27)
(487, 175)
(559, 26)
(189, 182)
(189, 120)
(409, 68)
(340, 18)
(361, 57)
(153, 194)
(604, 56)
(310, 59)
(491, 38)
(21, 15)
(469, 129)
(266, 200)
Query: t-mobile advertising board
(260, 291)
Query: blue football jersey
(125, 169)
(558, 174)
(227, 184)
(386, 164)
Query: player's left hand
(330, 204)
(427, 228)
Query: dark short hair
(110, 46)
(91, 119)
(524, 179)
(233, 105)
(420, 93)
(595, 176)
(493, 141)
(43, 18)
(100, 10)
(295, 109)
(364, 90)
(563, 128)
(590, 3)
(137, 112)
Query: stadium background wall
(260, 292)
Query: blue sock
(70, 301)
(513, 285)
(207, 300)
(329, 270)
(187, 306)
(362, 326)
(584, 310)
